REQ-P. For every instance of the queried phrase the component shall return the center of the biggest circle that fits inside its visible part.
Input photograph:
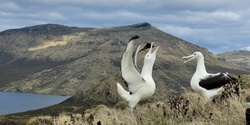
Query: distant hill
(238, 57)
(85, 62)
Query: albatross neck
(200, 68)
(147, 69)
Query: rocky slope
(56, 59)
(238, 57)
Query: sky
(218, 25)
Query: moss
(121, 105)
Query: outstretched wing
(135, 53)
(129, 72)
(148, 45)
(215, 81)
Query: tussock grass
(186, 109)
(227, 112)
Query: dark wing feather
(134, 37)
(212, 82)
(147, 46)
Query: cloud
(9, 6)
(246, 48)
(43, 15)
(210, 17)
(216, 40)
(219, 25)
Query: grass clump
(121, 105)
(187, 109)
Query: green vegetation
(85, 64)
(188, 108)
(61, 60)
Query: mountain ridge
(85, 64)
(79, 61)
(237, 57)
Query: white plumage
(141, 85)
(206, 84)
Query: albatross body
(206, 84)
(141, 84)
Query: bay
(11, 102)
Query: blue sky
(219, 25)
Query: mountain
(238, 57)
(85, 62)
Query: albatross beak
(156, 50)
(150, 50)
(152, 46)
(188, 57)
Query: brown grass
(187, 109)
(200, 112)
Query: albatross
(138, 49)
(140, 84)
(207, 84)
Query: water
(11, 102)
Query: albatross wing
(135, 57)
(215, 81)
(129, 72)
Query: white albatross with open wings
(141, 85)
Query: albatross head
(195, 55)
(150, 56)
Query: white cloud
(9, 5)
(5, 14)
(246, 48)
(214, 16)
(216, 40)
(218, 25)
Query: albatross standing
(206, 84)
(141, 85)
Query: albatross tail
(123, 93)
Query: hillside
(238, 57)
(187, 108)
(61, 60)
(85, 63)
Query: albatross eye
(195, 54)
